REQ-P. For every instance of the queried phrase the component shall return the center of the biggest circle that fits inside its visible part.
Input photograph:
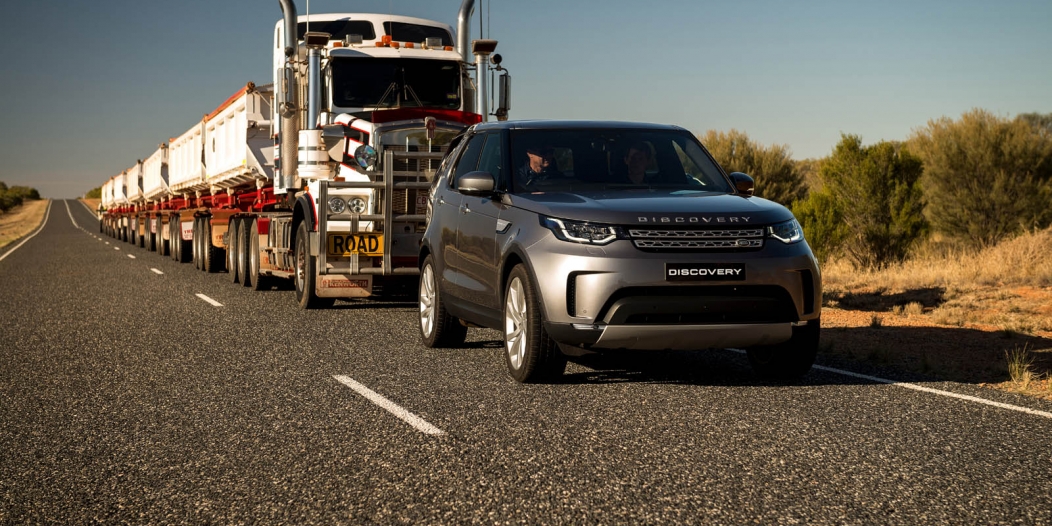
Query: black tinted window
(470, 159)
(339, 29)
(395, 83)
(403, 32)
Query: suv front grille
(680, 239)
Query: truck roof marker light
(394, 45)
(409, 45)
(337, 43)
(386, 39)
(448, 48)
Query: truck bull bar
(384, 180)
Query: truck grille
(405, 201)
(681, 239)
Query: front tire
(788, 360)
(306, 273)
(437, 328)
(530, 354)
(256, 280)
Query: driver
(540, 165)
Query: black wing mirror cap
(743, 183)
(476, 183)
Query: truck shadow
(898, 353)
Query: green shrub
(986, 178)
(776, 174)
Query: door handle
(464, 209)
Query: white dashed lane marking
(419, 423)
(209, 300)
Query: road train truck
(321, 176)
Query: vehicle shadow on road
(897, 353)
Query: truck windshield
(611, 160)
(395, 83)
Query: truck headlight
(787, 232)
(336, 205)
(357, 205)
(580, 231)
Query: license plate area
(704, 271)
(362, 243)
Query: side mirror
(503, 95)
(743, 183)
(476, 183)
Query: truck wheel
(306, 273)
(148, 237)
(530, 354)
(214, 256)
(255, 280)
(437, 328)
(162, 245)
(234, 235)
(788, 360)
(172, 240)
(196, 243)
(241, 255)
(185, 247)
(134, 236)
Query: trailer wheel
(162, 244)
(196, 243)
(212, 255)
(232, 249)
(241, 256)
(306, 273)
(172, 221)
(185, 247)
(255, 280)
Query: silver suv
(578, 237)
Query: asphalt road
(127, 398)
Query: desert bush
(11, 197)
(94, 193)
(772, 167)
(876, 191)
(821, 217)
(986, 178)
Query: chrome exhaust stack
(286, 98)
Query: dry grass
(21, 220)
(950, 313)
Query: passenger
(540, 165)
(637, 160)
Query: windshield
(600, 160)
(395, 83)
(405, 32)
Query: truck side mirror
(504, 96)
(743, 183)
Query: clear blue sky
(91, 86)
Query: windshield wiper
(390, 90)
(409, 89)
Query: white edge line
(929, 390)
(47, 213)
(70, 212)
(419, 423)
(155, 271)
(209, 300)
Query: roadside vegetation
(935, 250)
(21, 211)
(11, 197)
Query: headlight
(336, 205)
(788, 232)
(581, 232)
(366, 156)
(357, 205)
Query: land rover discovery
(578, 237)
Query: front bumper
(618, 296)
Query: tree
(876, 192)
(772, 166)
(94, 193)
(986, 178)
